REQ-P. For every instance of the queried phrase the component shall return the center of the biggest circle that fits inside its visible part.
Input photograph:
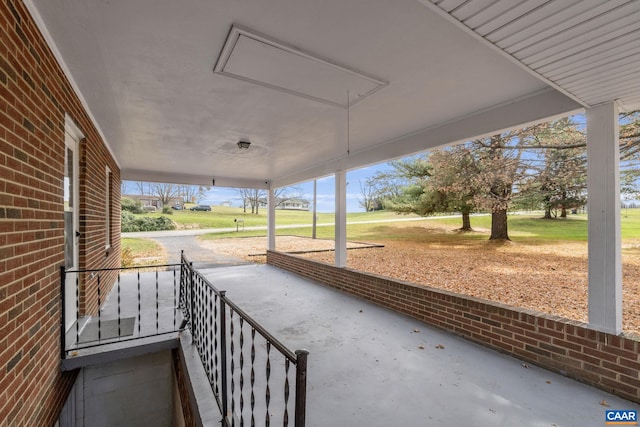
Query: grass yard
(223, 217)
(137, 252)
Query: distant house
(294, 204)
(151, 200)
(288, 204)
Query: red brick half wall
(606, 361)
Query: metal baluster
(175, 307)
(211, 349)
(99, 311)
(139, 306)
(241, 371)
(157, 306)
(223, 355)
(216, 390)
(267, 394)
(285, 421)
(119, 332)
(199, 310)
(233, 399)
(205, 336)
(253, 375)
(63, 319)
(183, 279)
(192, 303)
(77, 310)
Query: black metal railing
(255, 378)
(252, 374)
(131, 302)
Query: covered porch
(368, 365)
(256, 96)
(266, 97)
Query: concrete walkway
(369, 366)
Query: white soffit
(589, 49)
(254, 58)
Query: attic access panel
(254, 58)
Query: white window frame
(108, 205)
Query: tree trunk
(499, 225)
(466, 222)
(547, 213)
(564, 212)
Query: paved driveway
(201, 256)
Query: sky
(325, 188)
(325, 191)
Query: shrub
(130, 205)
(167, 210)
(132, 223)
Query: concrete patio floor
(369, 366)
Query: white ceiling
(145, 69)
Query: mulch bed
(550, 278)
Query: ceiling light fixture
(243, 145)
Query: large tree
(165, 193)
(253, 197)
(404, 189)
(630, 154)
(499, 169)
(440, 182)
(452, 178)
(193, 193)
(557, 170)
(369, 195)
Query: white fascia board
(539, 107)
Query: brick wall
(34, 97)
(606, 361)
(183, 388)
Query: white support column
(271, 220)
(603, 182)
(341, 219)
(315, 211)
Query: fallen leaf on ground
(546, 277)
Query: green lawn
(532, 228)
(139, 248)
(223, 217)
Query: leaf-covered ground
(546, 277)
